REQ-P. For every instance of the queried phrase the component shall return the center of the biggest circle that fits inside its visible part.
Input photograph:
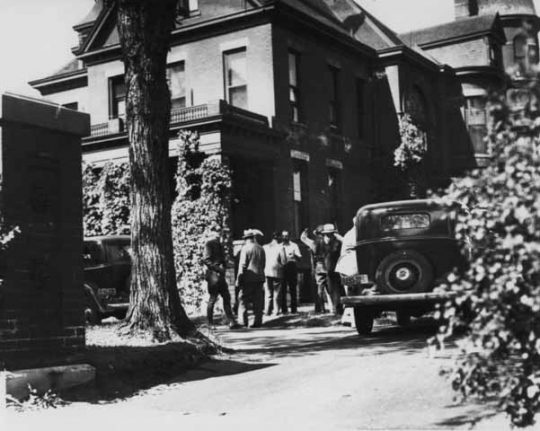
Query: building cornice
(395, 54)
(462, 38)
(69, 80)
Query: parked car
(403, 250)
(107, 276)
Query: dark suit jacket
(214, 259)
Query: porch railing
(188, 114)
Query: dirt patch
(126, 365)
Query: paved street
(292, 379)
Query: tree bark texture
(145, 27)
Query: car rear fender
(92, 298)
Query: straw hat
(248, 233)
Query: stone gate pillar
(41, 296)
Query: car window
(119, 252)
(405, 221)
(92, 255)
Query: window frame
(301, 206)
(114, 82)
(296, 105)
(334, 101)
(387, 216)
(361, 102)
(228, 87)
(169, 70)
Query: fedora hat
(248, 233)
(328, 228)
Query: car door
(119, 257)
(96, 268)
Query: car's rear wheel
(363, 321)
(405, 271)
(121, 314)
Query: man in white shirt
(290, 272)
(273, 271)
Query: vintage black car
(107, 276)
(403, 250)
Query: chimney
(465, 8)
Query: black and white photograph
(271, 215)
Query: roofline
(508, 17)
(460, 38)
(268, 8)
(343, 36)
(484, 70)
(407, 204)
(406, 51)
(56, 79)
(100, 20)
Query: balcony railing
(186, 115)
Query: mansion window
(476, 120)
(117, 97)
(525, 50)
(235, 68)
(334, 114)
(176, 77)
(294, 87)
(360, 106)
(334, 195)
(300, 196)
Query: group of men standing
(268, 275)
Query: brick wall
(204, 71)
(41, 302)
(314, 136)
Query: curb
(16, 383)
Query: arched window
(417, 107)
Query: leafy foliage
(36, 401)
(106, 199)
(409, 155)
(498, 303)
(201, 208)
(412, 148)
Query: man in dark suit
(326, 251)
(215, 262)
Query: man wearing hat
(326, 251)
(215, 262)
(251, 278)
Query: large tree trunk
(145, 27)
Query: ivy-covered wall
(201, 207)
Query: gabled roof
(463, 28)
(92, 16)
(72, 66)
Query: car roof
(108, 238)
(406, 205)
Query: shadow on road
(475, 414)
(285, 343)
(124, 371)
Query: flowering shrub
(201, 208)
(498, 303)
(412, 148)
(409, 155)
